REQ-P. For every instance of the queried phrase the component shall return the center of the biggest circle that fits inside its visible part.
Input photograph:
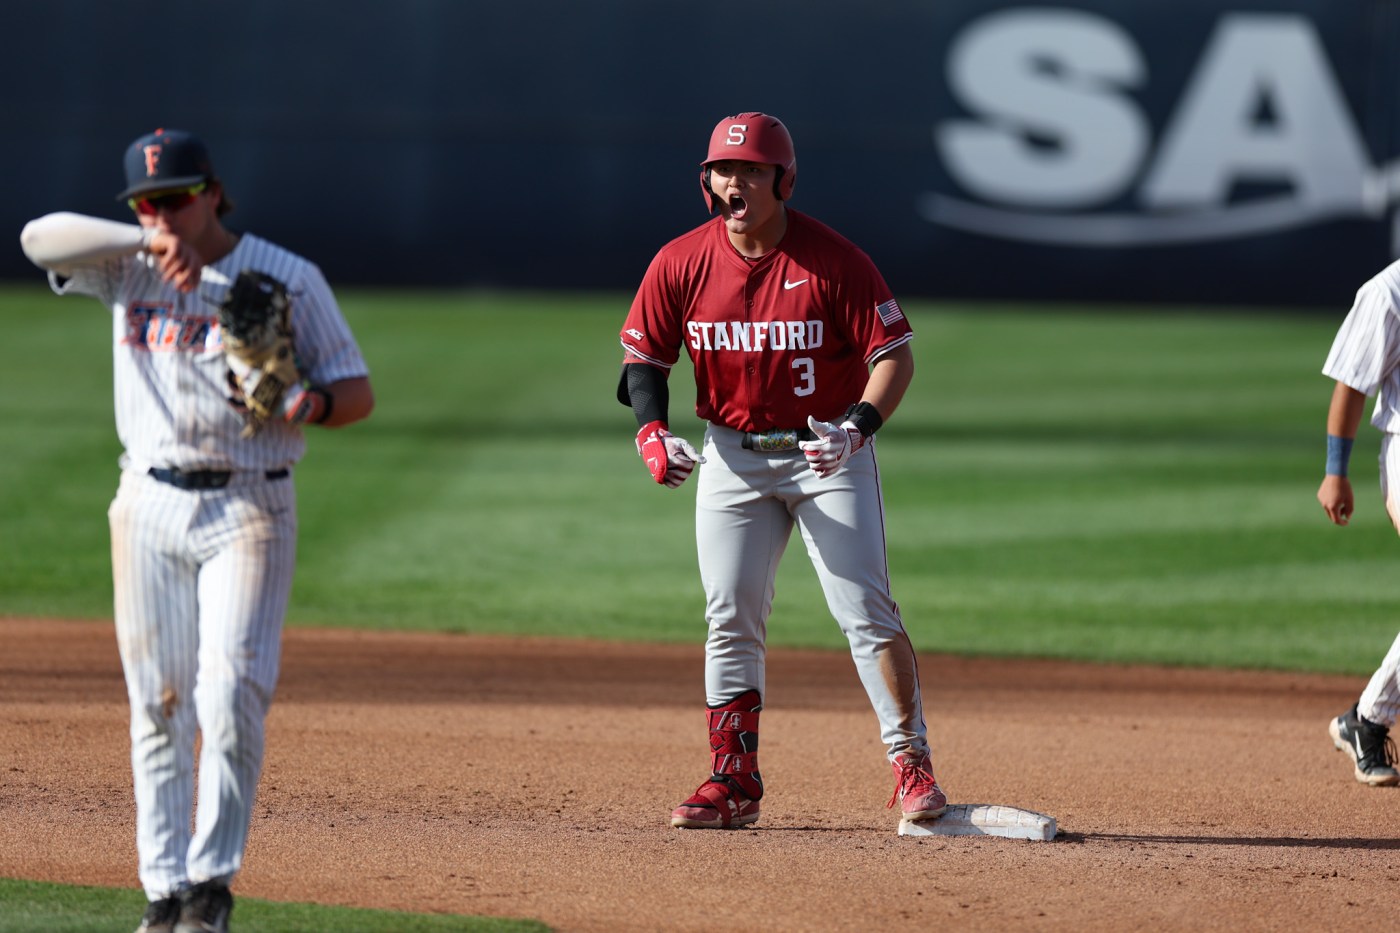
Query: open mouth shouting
(738, 207)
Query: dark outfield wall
(1172, 150)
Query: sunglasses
(170, 201)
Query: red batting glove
(669, 458)
(833, 446)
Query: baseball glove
(256, 320)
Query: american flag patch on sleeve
(889, 312)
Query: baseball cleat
(205, 909)
(1369, 747)
(716, 804)
(160, 916)
(916, 789)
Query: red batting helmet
(752, 137)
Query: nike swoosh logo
(788, 284)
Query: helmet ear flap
(705, 187)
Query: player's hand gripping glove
(669, 458)
(833, 446)
(256, 320)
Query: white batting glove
(669, 458)
(833, 446)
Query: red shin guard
(734, 743)
(729, 798)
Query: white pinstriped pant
(746, 505)
(201, 581)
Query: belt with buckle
(777, 439)
(204, 479)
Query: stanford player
(800, 353)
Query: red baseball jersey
(774, 340)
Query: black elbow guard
(644, 389)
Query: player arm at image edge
(1343, 419)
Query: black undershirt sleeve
(644, 389)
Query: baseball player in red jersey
(800, 353)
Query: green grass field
(30, 907)
(1117, 485)
(1112, 485)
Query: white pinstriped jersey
(169, 371)
(1366, 352)
(1366, 356)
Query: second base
(984, 819)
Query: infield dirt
(534, 778)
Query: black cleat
(1368, 746)
(204, 908)
(160, 916)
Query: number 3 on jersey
(807, 383)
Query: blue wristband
(1338, 454)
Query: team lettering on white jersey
(160, 328)
(756, 336)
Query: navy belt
(776, 439)
(204, 479)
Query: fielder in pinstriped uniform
(204, 521)
(1365, 361)
(800, 353)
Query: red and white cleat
(716, 804)
(917, 790)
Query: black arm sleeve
(644, 389)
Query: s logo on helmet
(738, 134)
